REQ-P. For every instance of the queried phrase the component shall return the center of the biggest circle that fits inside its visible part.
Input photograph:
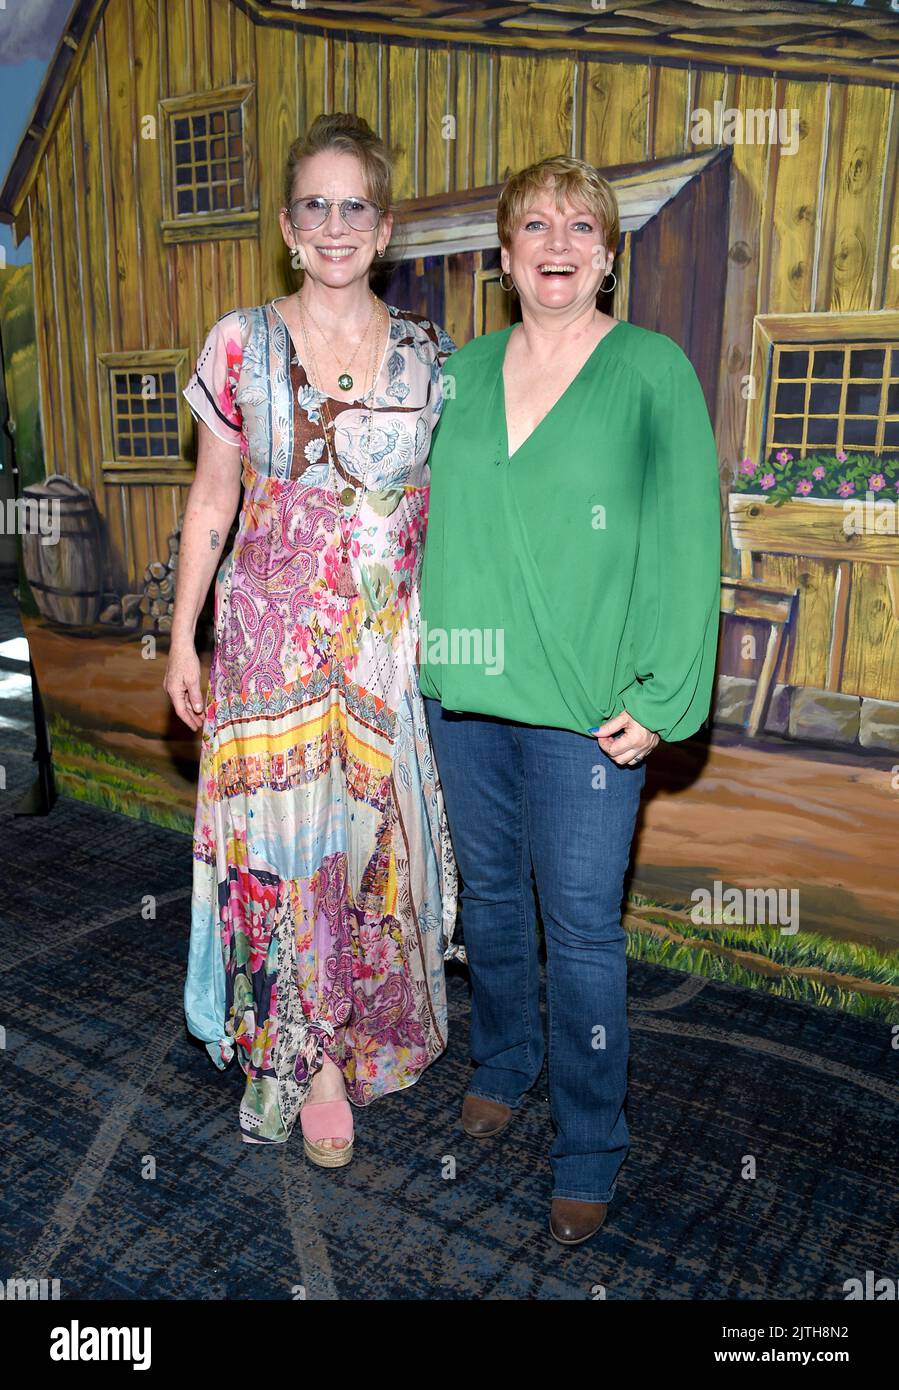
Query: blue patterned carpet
(124, 1174)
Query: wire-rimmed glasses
(310, 212)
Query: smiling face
(334, 253)
(557, 260)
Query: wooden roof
(449, 222)
(810, 38)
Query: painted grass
(806, 950)
(93, 774)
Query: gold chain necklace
(346, 585)
(344, 381)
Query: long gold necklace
(346, 584)
(344, 380)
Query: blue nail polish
(594, 730)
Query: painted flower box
(828, 506)
(824, 528)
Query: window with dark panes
(207, 151)
(144, 414)
(834, 396)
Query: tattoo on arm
(214, 539)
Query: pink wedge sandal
(327, 1119)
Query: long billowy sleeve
(674, 617)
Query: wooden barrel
(66, 577)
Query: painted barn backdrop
(149, 178)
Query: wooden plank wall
(105, 281)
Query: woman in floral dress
(324, 883)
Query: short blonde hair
(571, 181)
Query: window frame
(201, 226)
(171, 468)
(806, 331)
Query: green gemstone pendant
(348, 495)
(345, 381)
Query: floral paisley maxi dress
(324, 888)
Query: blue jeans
(519, 796)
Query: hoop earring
(507, 288)
(606, 289)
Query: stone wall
(817, 716)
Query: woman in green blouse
(569, 620)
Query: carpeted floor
(124, 1174)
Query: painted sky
(29, 33)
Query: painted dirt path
(781, 815)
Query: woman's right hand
(182, 683)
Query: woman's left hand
(631, 746)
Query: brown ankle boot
(571, 1222)
(483, 1118)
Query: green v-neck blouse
(580, 576)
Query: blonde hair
(348, 134)
(572, 181)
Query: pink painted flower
(842, 455)
(313, 642)
(407, 550)
(369, 934)
(747, 467)
(767, 480)
(804, 486)
(233, 357)
(877, 482)
(784, 456)
(818, 473)
(846, 488)
(330, 564)
(204, 838)
(408, 544)
(383, 956)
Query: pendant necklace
(344, 381)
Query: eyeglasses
(308, 213)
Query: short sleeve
(210, 392)
(676, 598)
